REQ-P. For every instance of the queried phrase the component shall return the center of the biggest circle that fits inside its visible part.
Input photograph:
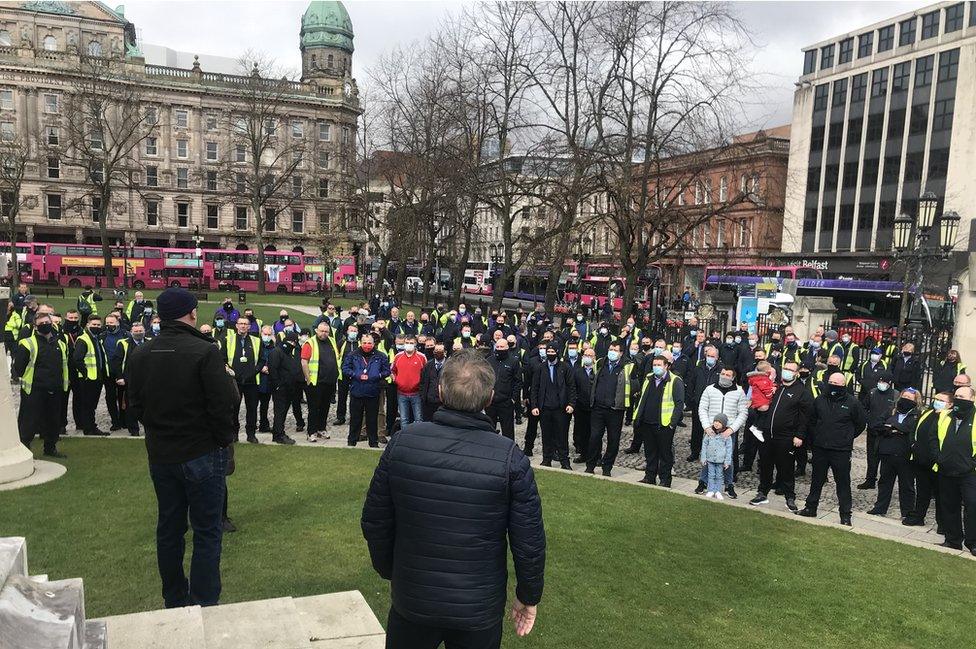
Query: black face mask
(962, 407)
(905, 405)
(94, 330)
(282, 318)
(72, 326)
(645, 347)
(805, 375)
(45, 329)
(551, 358)
(836, 391)
(228, 306)
(501, 354)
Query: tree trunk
(426, 275)
(462, 261)
(259, 242)
(630, 290)
(556, 269)
(381, 272)
(14, 266)
(106, 197)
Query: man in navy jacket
(366, 370)
(446, 500)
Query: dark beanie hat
(174, 303)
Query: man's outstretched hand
(524, 618)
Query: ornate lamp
(948, 226)
(903, 232)
(927, 204)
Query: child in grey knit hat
(716, 453)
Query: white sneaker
(758, 434)
(325, 436)
(312, 438)
(719, 496)
(710, 494)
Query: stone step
(173, 628)
(336, 616)
(263, 624)
(40, 578)
(360, 642)
(13, 557)
(96, 635)
(47, 615)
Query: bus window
(40, 250)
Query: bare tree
(105, 123)
(14, 161)
(672, 86)
(265, 166)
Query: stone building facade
(172, 198)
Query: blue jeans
(729, 472)
(196, 489)
(716, 476)
(409, 407)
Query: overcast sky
(228, 28)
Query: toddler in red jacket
(761, 390)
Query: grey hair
(467, 381)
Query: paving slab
(172, 628)
(361, 642)
(262, 624)
(337, 615)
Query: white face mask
(409, 347)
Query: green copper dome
(326, 23)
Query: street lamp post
(197, 240)
(916, 247)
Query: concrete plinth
(16, 460)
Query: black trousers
(839, 463)
(779, 454)
(248, 394)
(581, 430)
(64, 412)
(956, 492)
(555, 434)
(112, 402)
(264, 400)
(697, 434)
(125, 413)
(401, 633)
(658, 452)
(77, 403)
(342, 399)
(358, 408)
(285, 396)
(609, 420)
(801, 454)
(896, 466)
(40, 415)
(926, 488)
(427, 410)
(531, 432)
(392, 407)
(88, 394)
(319, 401)
(502, 415)
(873, 459)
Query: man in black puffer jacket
(447, 498)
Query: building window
(948, 65)
(720, 235)
(240, 218)
(826, 57)
(754, 187)
(296, 186)
(5, 39)
(182, 215)
(152, 147)
(938, 164)
(869, 175)
(94, 48)
(325, 131)
(53, 135)
(96, 209)
(240, 153)
(900, 76)
(53, 168)
(213, 219)
(325, 221)
(270, 126)
(896, 123)
(854, 125)
(182, 178)
(840, 92)
(52, 104)
(886, 38)
(97, 172)
(954, 16)
(723, 190)
(906, 32)
(809, 61)
(7, 131)
(865, 44)
(212, 151)
(270, 219)
(345, 135)
(930, 25)
(297, 128)
(7, 99)
(182, 148)
(96, 140)
(743, 234)
(923, 71)
(298, 221)
(152, 213)
(50, 43)
(879, 82)
(323, 187)
(152, 177)
(181, 117)
(240, 183)
(152, 116)
(813, 180)
(211, 122)
(212, 181)
(53, 207)
(942, 115)
(699, 192)
(918, 123)
(846, 51)
(820, 94)
(323, 158)
(972, 14)
(859, 87)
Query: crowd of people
(769, 401)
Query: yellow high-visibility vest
(667, 399)
(313, 362)
(91, 358)
(945, 418)
(27, 380)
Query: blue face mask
(938, 405)
(155, 328)
(613, 356)
(709, 361)
(542, 352)
(351, 336)
(658, 371)
(788, 375)
(658, 351)
(219, 322)
(399, 347)
(572, 353)
(267, 338)
(634, 352)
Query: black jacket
(180, 390)
(836, 422)
(879, 407)
(564, 385)
(584, 386)
(445, 497)
(700, 378)
(907, 373)
(926, 431)
(896, 438)
(790, 411)
(285, 367)
(508, 377)
(430, 379)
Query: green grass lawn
(627, 567)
